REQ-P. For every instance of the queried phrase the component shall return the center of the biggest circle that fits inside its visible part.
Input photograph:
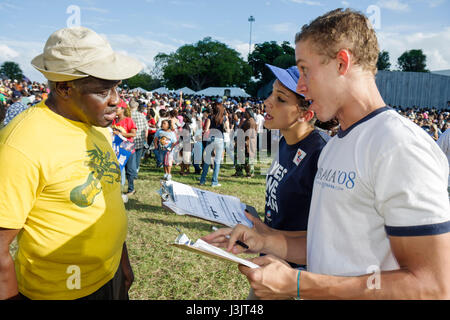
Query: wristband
(298, 284)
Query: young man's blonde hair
(343, 29)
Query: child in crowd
(166, 140)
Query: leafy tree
(270, 52)
(413, 60)
(203, 64)
(383, 61)
(11, 70)
(284, 61)
(142, 80)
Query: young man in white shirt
(380, 218)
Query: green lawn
(165, 272)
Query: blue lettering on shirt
(336, 179)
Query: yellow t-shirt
(60, 184)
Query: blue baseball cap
(288, 77)
(16, 94)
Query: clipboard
(206, 205)
(206, 249)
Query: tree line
(210, 63)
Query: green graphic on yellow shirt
(103, 167)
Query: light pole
(251, 20)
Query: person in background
(228, 147)
(444, 143)
(206, 113)
(15, 108)
(151, 132)
(176, 124)
(163, 115)
(197, 150)
(217, 124)
(246, 153)
(259, 119)
(187, 143)
(125, 126)
(434, 132)
(141, 133)
(142, 109)
(166, 140)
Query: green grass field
(165, 272)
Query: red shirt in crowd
(126, 123)
(152, 125)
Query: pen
(238, 242)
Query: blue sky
(143, 28)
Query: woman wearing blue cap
(290, 178)
(289, 181)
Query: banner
(123, 149)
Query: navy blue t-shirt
(289, 183)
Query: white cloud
(94, 9)
(402, 28)
(139, 47)
(395, 5)
(177, 41)
(7, 53)
(433, 3)
(182, 3)
(99, 21)
(242, 48)
(435, 45)
(177, 25)
(286, 27)
(345, 3)
(22, 53)
(8, 5)
(238, 45)
(189, 26)
(308, 2)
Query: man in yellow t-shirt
(61, 179)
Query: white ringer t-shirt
(383, 176)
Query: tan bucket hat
(78, 52)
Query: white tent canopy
(224, 91)
(186, 90)
(139, 89)
(162, 90)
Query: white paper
(224, 209)
(200, 244)
(210, 248)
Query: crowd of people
(432, 120)
(371, 202)
(16, 96)
(178, 132)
